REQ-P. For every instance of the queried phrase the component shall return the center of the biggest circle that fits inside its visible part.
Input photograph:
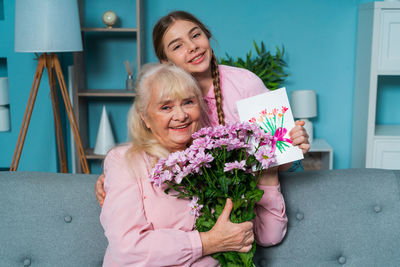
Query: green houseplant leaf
(269, 67)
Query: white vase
(105, 138)
(4, 99)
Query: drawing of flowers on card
(272, 112)
(271, 121)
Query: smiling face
(187, 46)
(172, 118)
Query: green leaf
(256, 47)
(224, 183)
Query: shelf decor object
(304, 107)
(49, 26)
(130, 81)
(375, 145)
(105, 138)
(110, 18)
(4, 108)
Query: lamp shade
(47, 26)
(4, 100)
(304, 104)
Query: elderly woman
(145, 226)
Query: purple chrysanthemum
(206, 131)
(265, 157)
(196, 207)
(202, 158)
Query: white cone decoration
(105, 139)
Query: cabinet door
(389, 52)
(387, 154)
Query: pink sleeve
(132, 239)
(254, 85)
(271, 220)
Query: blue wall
(319, 38)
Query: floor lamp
(49, 26)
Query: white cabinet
(378, 55)
(389, 47)
(386, 153)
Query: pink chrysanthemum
(265, 157)
(196, 207)
(229, 166)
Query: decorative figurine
(109, 18)
(130, 81)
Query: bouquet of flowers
(222, 162)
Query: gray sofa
(341, 217)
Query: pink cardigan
(146, 227)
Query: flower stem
(210, 181)
(259, 176)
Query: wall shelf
(109, 29)
(106, 93)
(389, 72)
(100, 66)
(387, 130)
(91, 156)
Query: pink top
(146, 227)
(236, 84)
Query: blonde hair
(217, 90)
(159, 30)
(174, 83)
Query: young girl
(181, 39)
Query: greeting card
(272, 112)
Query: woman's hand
(227, 236)
(299, 137)
(99, 190)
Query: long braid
(217, 89)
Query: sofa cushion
(49, 219)
(339, 217)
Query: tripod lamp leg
(28, 113)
